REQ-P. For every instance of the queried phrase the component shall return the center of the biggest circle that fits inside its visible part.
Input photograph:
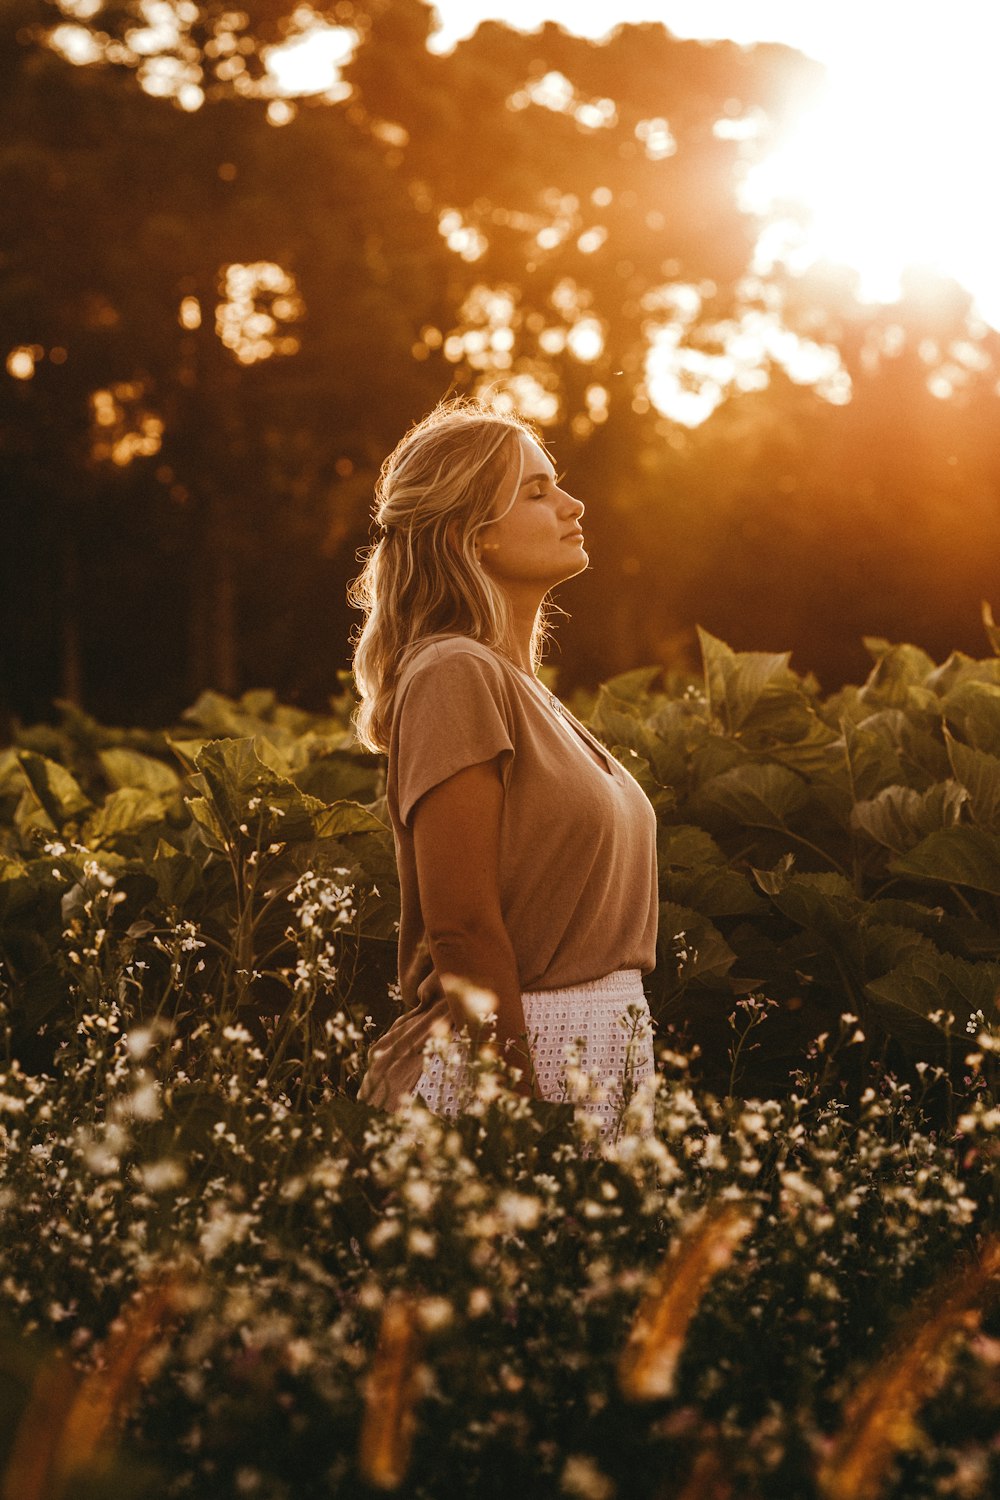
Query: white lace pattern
(585, 1044)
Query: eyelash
(540, 493)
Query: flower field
(223, 1275)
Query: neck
(524, 612)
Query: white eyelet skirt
(591, 1044)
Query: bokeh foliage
(450, 221)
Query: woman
(526, 852)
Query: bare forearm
(486, 959)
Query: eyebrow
(534, 478)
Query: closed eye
(542, 484)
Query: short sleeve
(451, 713)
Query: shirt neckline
(605, 754)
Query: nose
(576, 508)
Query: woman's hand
(429, 990)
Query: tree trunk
(71, 656)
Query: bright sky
(895, 162)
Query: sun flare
(892, 168)
(889, 170)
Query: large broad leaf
(633, 686)
(210, 830)
(122, 816)
(736, 681)
(799, 738)
(683, 846)
(679, 733)
(251, 801)
(755, 796)
(899, 817)
(17, 889)
(60, 794)
(959, 670)
(617, 722)
(870, 753)
(825, 903)
(974, 709)
(954, 856)
(714, 892)
(11, 777)
(127, 768)
(927, 982)
(709, 955)
(885, 946)
(341, 819)
(661, 798)
(897, 669)
(979, 774)
(339, 776)
(176, 873)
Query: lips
(570, 534)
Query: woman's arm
(456, 839)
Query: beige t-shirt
(578, 872)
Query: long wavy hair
(422, 579)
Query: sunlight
(260, 298)
(122, 427)
(310, 61)
(887, 171)
(22, 360)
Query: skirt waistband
(621, 982)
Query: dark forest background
(188, 448)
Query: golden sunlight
(309, 62)
(887, 171)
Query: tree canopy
(223, 299)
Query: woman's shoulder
(447, 648)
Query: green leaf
(176, 873)
(16, 887)
(716, 893)
(210, 830)
(979, 774)
(619, 723)
(885, 946)
(737, 681)
(683, 846)
(343, 818)
(339, 776)
(897, 669)
(634, 685)
(773, 882)
(710, 956)
(246, 793)
(899, 817)
(59, 793)
(661, 798)
(755, 796)
(127, 768)
(927, 981)
(122, 815)
(11, 776)
(823, 903)
(955, 856)
(973, 707)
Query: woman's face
(539, 541)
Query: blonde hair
(420, 580)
